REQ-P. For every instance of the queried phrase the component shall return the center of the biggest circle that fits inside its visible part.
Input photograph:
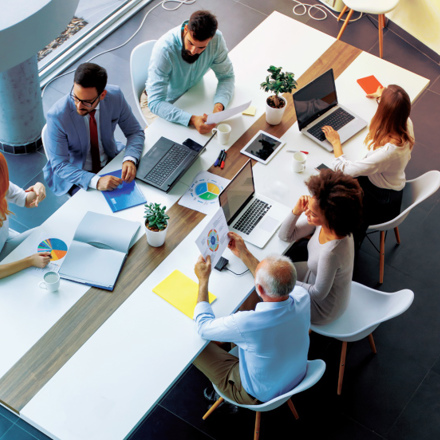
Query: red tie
(94, 144)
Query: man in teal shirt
(179, 60)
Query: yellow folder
(181, 292)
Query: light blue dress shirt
(169, 76)
(273, 342)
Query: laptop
(316, 105)
(166, 162)
(253, 216)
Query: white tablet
(262, 147)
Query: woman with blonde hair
(10, 239)
(381, 173)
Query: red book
(370, 84)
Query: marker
(223, 161)
(297, 151)
(219, 159)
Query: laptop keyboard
(167, 165)
(336, 120)
(255, 212)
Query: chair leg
(350, 13)
(372, 344)
(342, 366)
(382, 256)
(396, 233)
(380, 27)
(342, 12)
(213, 408)
(257, 425)
(293, 409)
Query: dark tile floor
(393, 395)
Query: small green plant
(155, 217)
(278, 82)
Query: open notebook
(98, 250)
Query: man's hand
(301, 205)
(203, 268)
(36, 194)
(108, 183)
(128, 171)
(40, 259)
(199, 123)
(218, 108)
(236, 245)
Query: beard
(186, 55)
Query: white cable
(162, 3)
(320, 8)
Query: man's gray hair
(277, 276)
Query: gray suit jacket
(66, 142)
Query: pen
(219, 159)
(297, 151)
(209, 140)
(223, 161)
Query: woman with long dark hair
(9, 239)
(381, 173)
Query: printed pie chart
(55, 246)
(207, 190)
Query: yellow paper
(181, 292)
(250, 111)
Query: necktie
(94, 144)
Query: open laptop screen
(238, 192)
(314, 99)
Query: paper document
(181, 292)
(203, 193)
(216, 118)
(214, 238)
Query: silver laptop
(254, 217)
(316, 105)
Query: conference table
(84, 363)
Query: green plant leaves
(279, 82)
(155, 216)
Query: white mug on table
(51, 281)
(223, 133)
(299, 162)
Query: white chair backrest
(139, 62)
(366, 310)
(415, 192)
(43, 139)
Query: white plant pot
(156, 238)
(274, 115)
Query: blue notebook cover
(124, 196)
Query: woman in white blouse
(381, 173)
(9, 239)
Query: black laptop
(166, 162)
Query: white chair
(139, 62)
(379, 7)
(315, 370)
(43, 139)
(366, 310)
(415, 192)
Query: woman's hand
(301, 205)
(36, 194)
(331, 135)
(41, 259)
(377, 94)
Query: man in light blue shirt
(179, 60)
(273, 339)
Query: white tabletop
(116, 377)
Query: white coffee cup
(223, 133)
(299, 162)
(51, 281)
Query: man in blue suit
(80, 135)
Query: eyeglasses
(87, 104)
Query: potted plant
(277, 82)
(156, 222)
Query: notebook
(316, 105)
(166, 162)
(253, 216)
(98, 250)
(181, 292)
(125, 196)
